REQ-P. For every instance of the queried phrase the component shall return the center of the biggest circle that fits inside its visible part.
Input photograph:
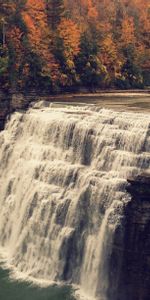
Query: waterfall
(63, 178)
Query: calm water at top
(131, 101)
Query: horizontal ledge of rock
(143, 178)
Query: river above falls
(129, 101)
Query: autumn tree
(39, 37)
(12, 33)
(52, 44)
(143, 37)
(3, 49)
(67, 48)
(128, 31)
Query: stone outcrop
(4, 108)
(9, 102)
(134, 257)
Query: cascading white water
(63, 178)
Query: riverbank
(134, 100)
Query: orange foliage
(110, 56)
(70, 34)
(15, 37)
(128, 31)
(35, 19)
(112, 25)
(92, 11)
(39, 35)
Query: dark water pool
(14, 290)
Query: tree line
(57, 45)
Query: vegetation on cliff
(61, 45)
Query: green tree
(55, 11)
(35, 78)
(89, 67)
(12, 33)
(3, 67)
(131, 73)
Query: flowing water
(63, 178)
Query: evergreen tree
(3, 67)
(11, 37)
(89, 67)
(131, 73)
(55, 11)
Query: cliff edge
(135, 271)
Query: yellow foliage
(70, 34)
(40, 36)
(128, 31)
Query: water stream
(63, 178)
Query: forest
(56, 45)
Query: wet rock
(134, 255)
(4, 108)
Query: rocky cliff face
(133, 282)
(4, 108)
(9, 102)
